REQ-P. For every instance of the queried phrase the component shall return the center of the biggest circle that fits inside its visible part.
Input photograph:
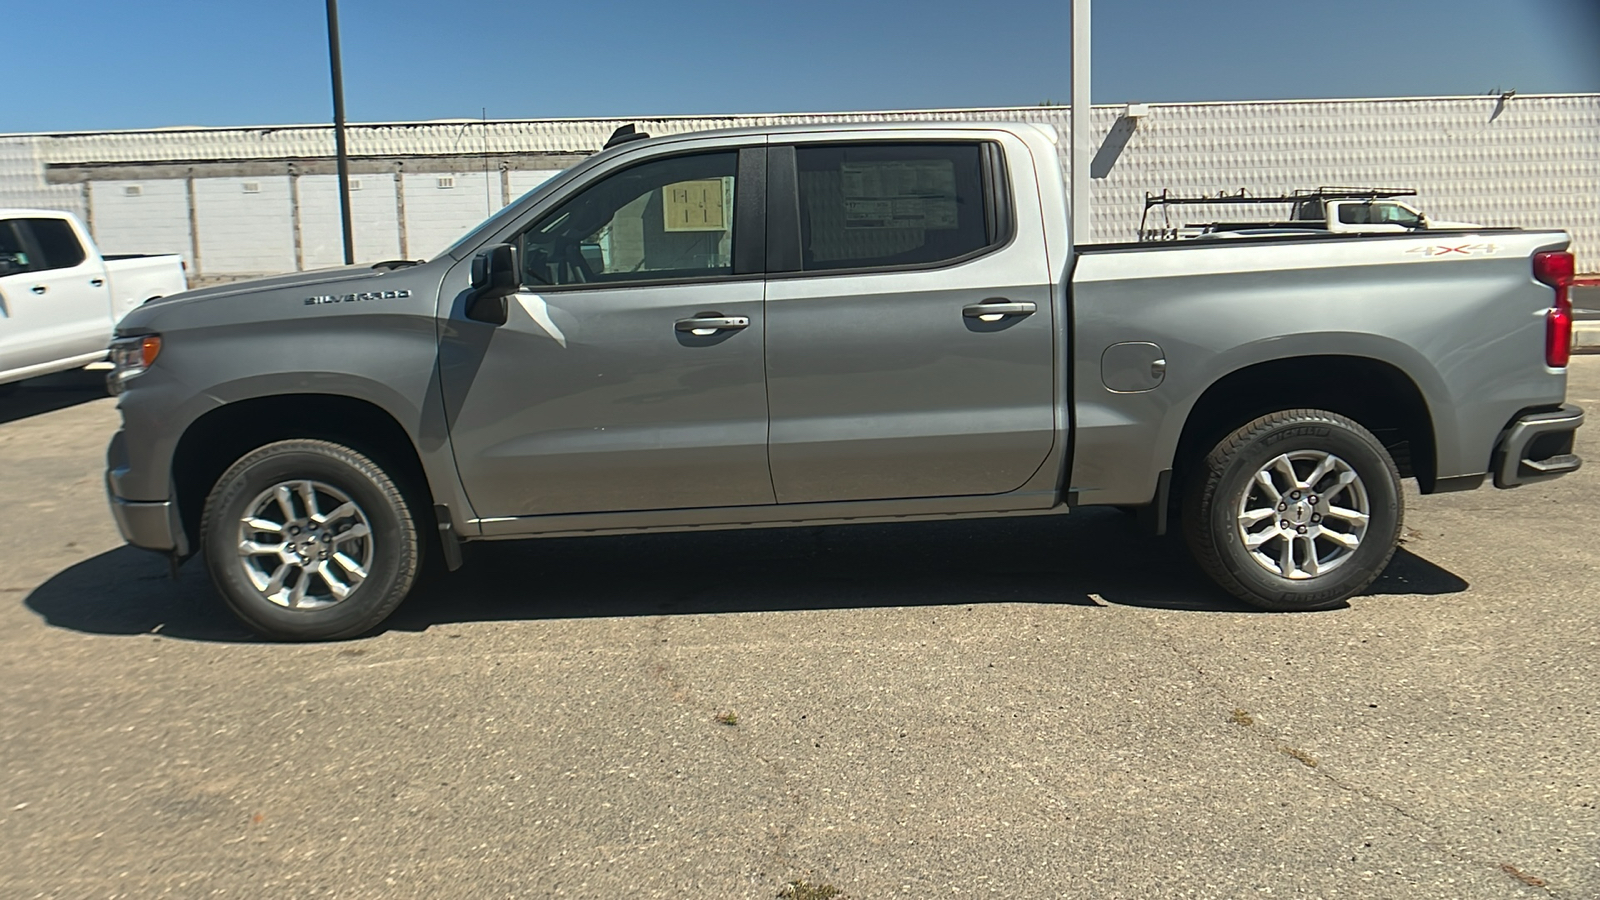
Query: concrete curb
(1586, 337)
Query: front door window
(665, 220)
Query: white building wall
(244, 233)
(372, 218)
(437, 217)
(22, 181)
(1531, 161)
(1528, 162)
(142, 217)
(523, 181)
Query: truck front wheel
(1297, 510)
(309, 540)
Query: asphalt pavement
(1029, 708)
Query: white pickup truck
(60, 299)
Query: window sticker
(695, 205)
(906, 194)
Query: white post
(1081, 153)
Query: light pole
(338, 131)
(1080, 151)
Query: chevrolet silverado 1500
(803, 325)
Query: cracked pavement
(1047, 707)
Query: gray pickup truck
(812, 325)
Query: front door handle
(995, 310)
(40, 288)
(97, 282)
(710, 323)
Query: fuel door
(1133, 366)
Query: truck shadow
(49, 393)
(1088, 559)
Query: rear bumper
(1537, 447)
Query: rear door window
(893, 205)
(1355, 214)
(57, 244)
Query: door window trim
(783, 208)
(749, 222)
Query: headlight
(130, 356)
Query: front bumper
(1537, 447)
(152, 525)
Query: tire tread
(409, 549)
(1201, 496)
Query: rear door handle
(97, 281)
(995, 310)
(707, 324)
(40, 288)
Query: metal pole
(1082, 154)
(338, 131)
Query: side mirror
(496, 275)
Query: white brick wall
(155, 221)
(244, 233)
(372, 218)
(437, 217)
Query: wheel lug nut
(1301, 529)
(1315, 518)
(1294, 495)
(1283, 507)
(1283, 523)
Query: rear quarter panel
(1461, 315)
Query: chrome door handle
(995, 310)
(708, 325)
(40, 288)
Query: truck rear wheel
(309, 540)
(1297, 510)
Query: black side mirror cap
(496, 275)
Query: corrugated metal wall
(1528, 161)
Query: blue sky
(116, 64)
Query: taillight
(1556, 268)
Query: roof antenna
(623, 135)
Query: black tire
(393, 555)
(1225, 482)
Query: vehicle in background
(807, 325)
(60, 300)
(1338, 210)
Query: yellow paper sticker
(695, 206)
